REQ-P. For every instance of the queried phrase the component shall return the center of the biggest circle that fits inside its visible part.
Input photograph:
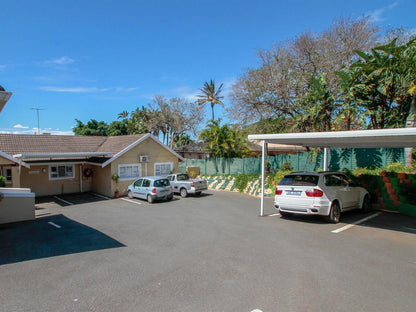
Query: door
(337, 188)
(145, 188)
(136, 188)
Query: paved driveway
(212, 253)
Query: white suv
(319, 193)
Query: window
(161, 183)
(146, 183)
(7, 173)
(335, 180)
(300, 180)
(163, 169)
(129, 172)
(138, 183)
(59, 172)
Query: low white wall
(16, 204)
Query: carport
(384, 138)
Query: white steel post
(263, 161)
(325, 159)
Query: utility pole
(37, 110)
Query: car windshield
(161, 183)
(300, 180)
(182, 177)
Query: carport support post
(263, 162)
(325, 159)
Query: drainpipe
(80, 177)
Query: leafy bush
(397, 167)
(287, 166)
(3, 181)
(242, 180)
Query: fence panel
(308, 161)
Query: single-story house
(195, 150)
(51, 164)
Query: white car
(319, 193)
(151, 188)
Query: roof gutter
(60, 155)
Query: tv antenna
(37, 111)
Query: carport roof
(386, 138)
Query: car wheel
(366, 207)
(184, 193)
(130, 194)
(149, 199)
(284, 214)
(335, 213)
(170, 197)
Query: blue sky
(93, 59)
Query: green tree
(223, 141)
(92, 127)
(317, 107)
(183, 140)
(211, 95)
(117, 128)
(385, 83)
(284, 84)
(138, 121)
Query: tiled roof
(13, 144)
(115, 144)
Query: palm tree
(209, 94)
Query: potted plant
(116, 178)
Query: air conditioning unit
(144, 158)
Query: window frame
(61, 178)
(138, 165)
(160, 164)
(4, 170)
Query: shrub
(242, 180)
(287, 166)
(397, 167)
(3, 181)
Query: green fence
(309, 161)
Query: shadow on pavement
(385, 220)
(393, 222)
(38, 239)
(65, 200)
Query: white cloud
(64, 60)
(27, 130)
(377, 15)
(72, 89)
(186, 93)
(124, 89)
(19, 126)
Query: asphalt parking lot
(208, 253)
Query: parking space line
(273, 215)
(131, 201)
(348, 226)
(63, 200)
(101, 196)
(55, 225)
